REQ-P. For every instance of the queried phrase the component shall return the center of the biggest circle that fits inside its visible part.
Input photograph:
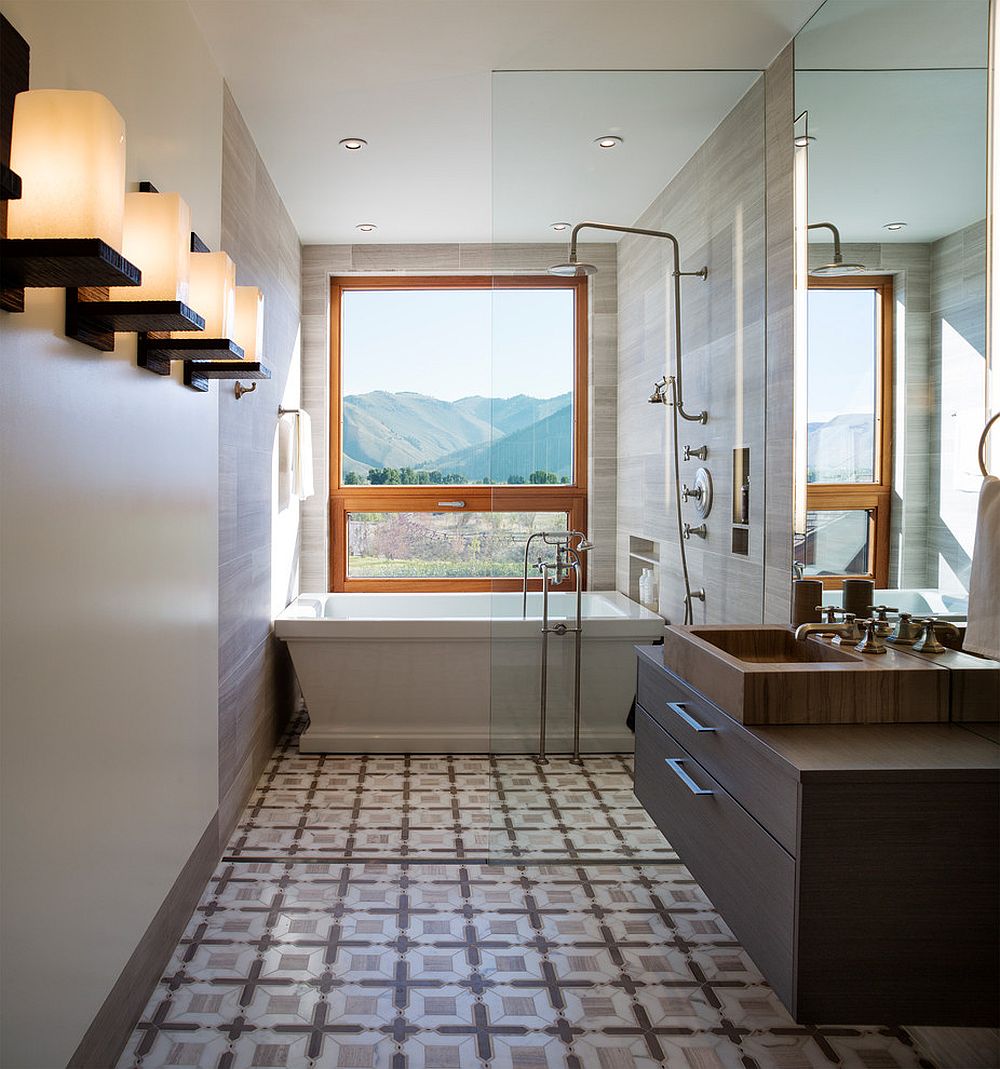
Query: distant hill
(841, 449)
(383, 429)
(545, 444)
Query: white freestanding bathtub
(460, 673)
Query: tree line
(420, 477)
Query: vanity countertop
(845, 751)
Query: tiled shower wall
(716, 207)
(320, 262)
(958, 343)
(255, 695)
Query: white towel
(286, 460)
(303, 485)
(983, 633)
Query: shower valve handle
(701, 452)
(687, 493)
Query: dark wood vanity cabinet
(857, 864)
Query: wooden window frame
(876, 496)
(570, 498)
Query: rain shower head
(836, 267)
(572, 269)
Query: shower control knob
(701, 453)
(687, 493)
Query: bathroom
(296, 805)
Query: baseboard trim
(108, 1033)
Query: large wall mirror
(891, 355)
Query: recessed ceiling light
(608, 141)
(893, 226)
(803, 140)
(366, 228)
(352, 144)
(560, 226)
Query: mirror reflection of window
(894, 95)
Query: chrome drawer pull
(687, 717)
(674, 764)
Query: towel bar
(982, 443)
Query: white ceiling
(894, 34)
(895, 146)
(414, 78)
(896, 96)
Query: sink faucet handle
(872, 640)
(928, 641)
(831, 612)
(906, 631)
(883, 626)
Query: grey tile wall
(716, 207)
(779, 85)
(958, 378)
(255, 688)
(320, 262)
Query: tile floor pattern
(437, 962)
(462, 807)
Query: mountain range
(475, 437)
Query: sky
(841, 340)
(450, 343)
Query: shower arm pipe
(838, 256)
(678, 274)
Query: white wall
(108, 569)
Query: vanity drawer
(747, 875)
(755, 776)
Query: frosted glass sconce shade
(248, 329)
(212, 294)
(68, 146)
(156, 237)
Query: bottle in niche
(648, 592)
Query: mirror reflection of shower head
(836, 267)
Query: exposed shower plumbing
(573, 267)
(672, 383)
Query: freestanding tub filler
(460, 673)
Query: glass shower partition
(563, 792)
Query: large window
(849, 430)
(458, 427)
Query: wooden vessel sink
(763, 675)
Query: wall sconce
(212, 294)
(248, 333)
(68, 147)
(156, 236)
(248, 325)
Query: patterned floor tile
(355, 923)
(425, 964)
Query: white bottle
(645, 586)
(654, 592)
